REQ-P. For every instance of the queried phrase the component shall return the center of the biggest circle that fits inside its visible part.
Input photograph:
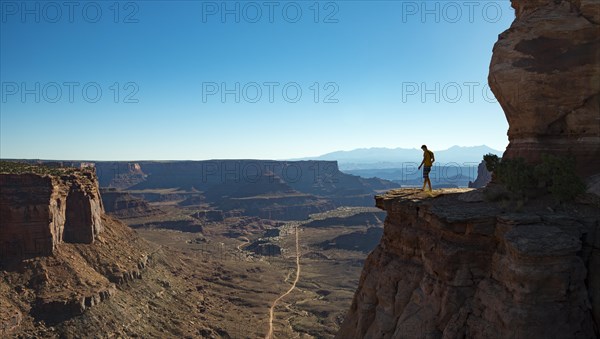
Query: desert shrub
(491, 161)
(554, 175)
(516, 175)
(557, 175)
(16, 167)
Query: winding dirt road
(247, 241)
(272, 309)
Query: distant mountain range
(378, 158)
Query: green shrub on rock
(491, 161)
(554, 175)
(517, 176)
(557, 175)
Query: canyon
(248, 248)
(179, 267)
(281, 190)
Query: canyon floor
(248, 282)
(195, 279)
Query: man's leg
(426, 177)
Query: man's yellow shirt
(427, 156)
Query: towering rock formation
(545, 73)
(60, 255)
(40, 211)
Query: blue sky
(371, 74)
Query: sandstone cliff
(545, 73)
(447, 268)
(52, 253)
(40, 211)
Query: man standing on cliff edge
(428, 160)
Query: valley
(258, 261)
(254, 278)
(257, 265)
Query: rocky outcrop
(10, 318)
(364, 241)
(483, 177)
(76, 278)
(368, 218)
(278, 208)
(193, 200)
(120, 275)
(264, 247)
(209, 215)
(293, 212)
(124, 205)
(446, 268)
(52, 310)
(40, 211)
(545, 74)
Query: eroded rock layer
(446, 268)
(38, 212)
(124, 205)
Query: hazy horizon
(308, 158)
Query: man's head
(424, 148)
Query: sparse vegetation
(491, 161)
(557, 174)
(517, 176)
(554, 175)
(14, 167)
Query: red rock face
(27, 218)
(446, 268)
(545, 73)
(39, 212)
(83, 213)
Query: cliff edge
(452, 267)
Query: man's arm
(422, 162)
